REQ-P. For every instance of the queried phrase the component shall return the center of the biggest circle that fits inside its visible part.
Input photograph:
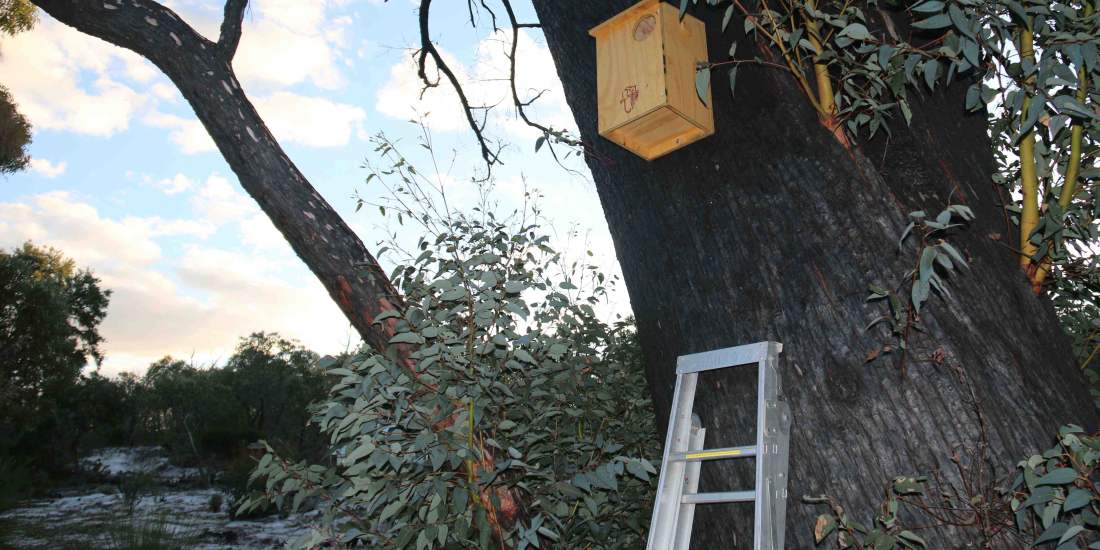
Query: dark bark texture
(203, 72)
(772, 230)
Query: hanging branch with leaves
(1032, 60)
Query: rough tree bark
(772, 230)
(202, 71)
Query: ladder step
(715, 498)
(745, 451)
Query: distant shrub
(133, 488)
(146, 533)
(16, 482)
(215, 503)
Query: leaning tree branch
(203, 73)
(231, 28)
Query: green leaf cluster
(1054, 495)
(502, 392)
(935, 258)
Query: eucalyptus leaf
(702, 84)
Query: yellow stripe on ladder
(721, 453)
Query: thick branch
(231, 28)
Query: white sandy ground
(84, 519)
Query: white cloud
(535, 74)
(188, 133)
(287, 42)
(157, 227)
(43, 69)
(175, 185)
(309, 121)
(198, 304)
(258, 232)
(47, 169)
(404, 97)
(57, 219)
(65, 80)
(220, 202)
(166, 92)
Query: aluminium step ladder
(677, 488)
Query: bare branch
(427, 48)
(550, 136)
(231, 28)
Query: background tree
(16, 16)
(15, 132)
(209, 415)
(15, 135)
(274, 381)
(49, 330)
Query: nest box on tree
(646, 60)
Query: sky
(125, 180)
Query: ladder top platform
(727, 357)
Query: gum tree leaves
(856, 31)
(702, 83)
(509, 385)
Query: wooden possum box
(645, 79)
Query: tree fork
(1073, 166)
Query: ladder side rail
(666, 506)
(760, 513)
(691, 485)
(779, 432)
(773, 485)
(767, 391)
(778, 492)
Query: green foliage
(885, 532)
(145, 533)
(16, 479)
(1053, 501)
(1054, 496)
(502, 397)
(16, 16)
(15, 132)
(15, 135)
(49, 317)
(134, 488)
(263, 391)
(935, 257)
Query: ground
(171, 500)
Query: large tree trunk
(203, 72)
(772, 230)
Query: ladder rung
(714, 454)
(715, 498)
(720, 359)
